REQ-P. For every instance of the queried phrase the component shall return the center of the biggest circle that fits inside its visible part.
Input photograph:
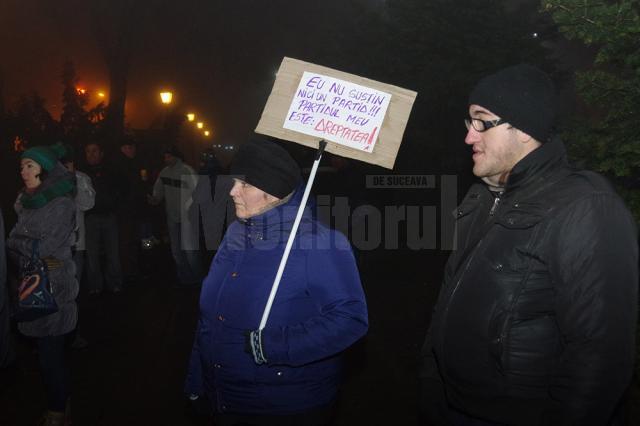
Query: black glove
(255, 346)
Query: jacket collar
(537, 165)
(276, 221)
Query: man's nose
(472, 137)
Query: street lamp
(166, 97)
(207, 133)
(200, 124)
(191, 116)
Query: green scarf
(43, 196)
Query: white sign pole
(292, 235)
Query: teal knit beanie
(46, 156)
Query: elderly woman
(289, 372)
(46, 213)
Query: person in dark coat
(287, 373)
(131, 209)
(7, 354)
(536, 318)
(101, 223)
(46, 214)
(212, 208)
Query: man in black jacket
(535, 322)
(101, 223)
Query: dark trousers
(188, 262)
(460, 419)
(7, 354)
(78, 259)
(321, 416)
(129, 234)
(55, 374)
(102, 234)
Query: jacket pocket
(521, 215)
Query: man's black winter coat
(535, 321)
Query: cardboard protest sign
(337, 110)
(360, 118)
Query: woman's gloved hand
(255, 346)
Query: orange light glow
(101, 94)
(81, 91)
(200, 124)
(207, 133)
(191, 116)
(166, 97)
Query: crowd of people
(535, 322)
(89, 223)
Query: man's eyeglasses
(482, 125)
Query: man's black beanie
(522, 95)
(267, 166)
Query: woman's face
(30, 173)
(249, 200)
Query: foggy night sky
(218, 57)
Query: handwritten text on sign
(338, 111)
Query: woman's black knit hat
(267, 166)
(522, 95)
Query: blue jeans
(188, 262)
(102, 233)
(55, 373)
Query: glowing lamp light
(81, 91)
(101, 94)
(207, 133)
(191, 116)
(166, 97)
(200, 124)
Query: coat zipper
(496, 203)
(492, 211)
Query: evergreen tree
(607, 138)
(32, 122)
(115, 25)
(74, 120)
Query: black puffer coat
(535, 321)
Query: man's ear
(526, 138)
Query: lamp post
(166, 97)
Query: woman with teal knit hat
(46, 213)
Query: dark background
(220, 58)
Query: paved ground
(132, 372)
